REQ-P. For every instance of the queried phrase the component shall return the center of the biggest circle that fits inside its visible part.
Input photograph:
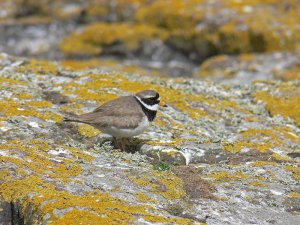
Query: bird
(123, 117)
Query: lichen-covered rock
(117, 38)
(245, 68)
(218, 154)
(209, 27)
(197, 28)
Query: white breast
(119, 133)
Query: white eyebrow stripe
(150, 107)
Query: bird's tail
(72, 118)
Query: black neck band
(149, 113)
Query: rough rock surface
(245, 68)
(218, 154)
(172, 35)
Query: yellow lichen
(226, 176)
(4, 81)
(39, 104)
(24, 95)
(163, 183)
(278, 157)
(75, 65)
(37, 160)
(257, 184)
(42, 67)
(13, 108)
(88, 131)
(5, 174)
(83, 217)
(294, 195)
(262, 163)
(294, 170)
(96, 36)
(262, 140)
(35, 191)
(287, 106)
(141, 197)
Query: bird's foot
(119, 143)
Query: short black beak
(163, 104)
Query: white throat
(150, 107)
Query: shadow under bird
(123, 117)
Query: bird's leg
(123, 146)
(119, 143)
(115, 142)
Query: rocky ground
(174, 37)
(217, 155)
(225, 151)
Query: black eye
(151, 101)
(154, 98)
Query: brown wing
(123, 112)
